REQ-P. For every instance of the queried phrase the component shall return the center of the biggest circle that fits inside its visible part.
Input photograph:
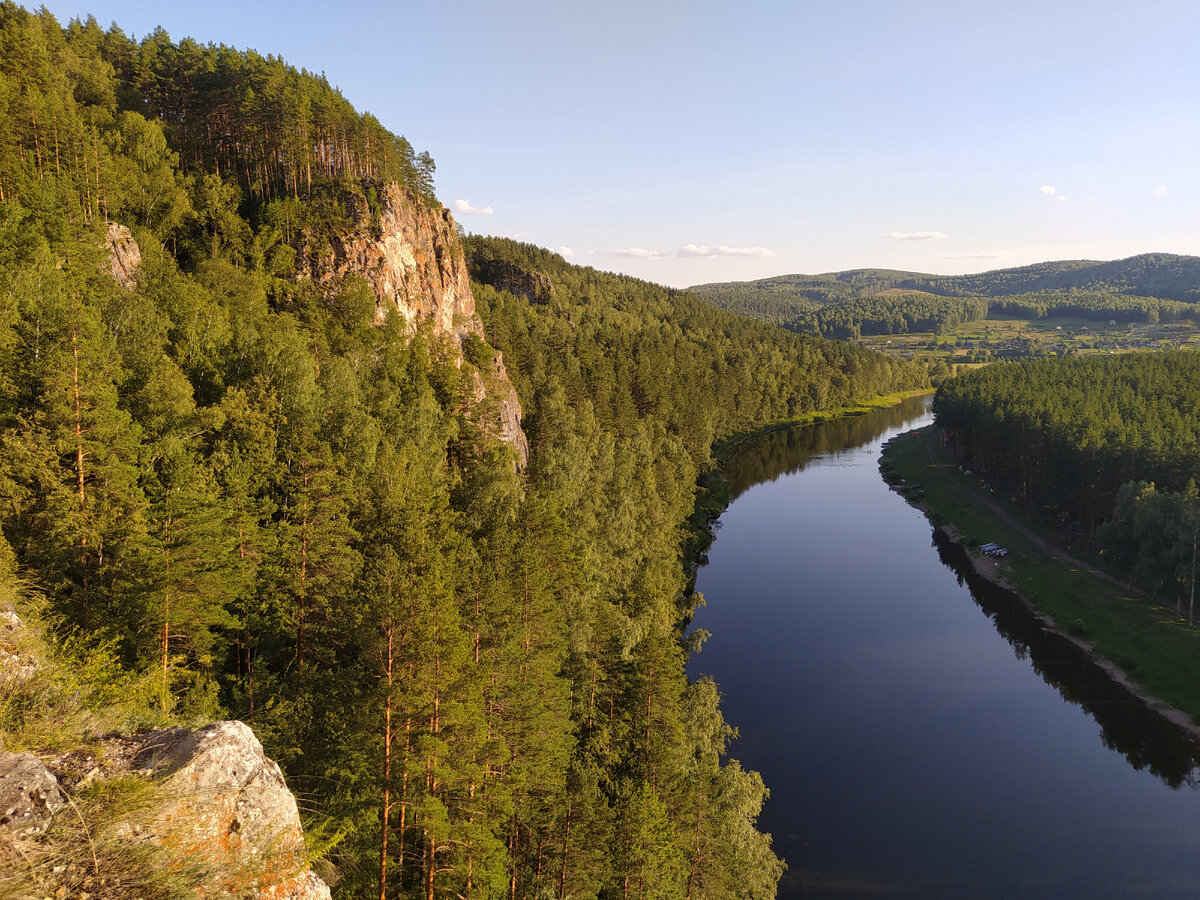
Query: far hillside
(1150, 288)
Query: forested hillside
(1151, 287)
(1111, 444)
(633, 350)
(271, 495)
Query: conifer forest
(234, 463)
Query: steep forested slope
(274, 492)
(638, 351)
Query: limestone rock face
(125, 255)
(228, 805)
(29, 794)
(413, 260)
(508, 412)
(411, 256)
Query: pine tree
(198, 576)
(82, 524)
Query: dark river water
(920, 735)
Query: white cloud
(693, 251)
(1160, 190)
(722, 250)
(916, 236)
(565, 251)
(637, 253)
(1049, 191)
(972, 256)
(467, 209)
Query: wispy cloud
(637, 253)
(1049, 191)
(722, 250)
(1160, 190)
(467, 209)
(693, 251)
(916, 235)
(565, 251)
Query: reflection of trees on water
(769, 456)
(1127, 725)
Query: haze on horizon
(692, 142)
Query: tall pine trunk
(386, 808)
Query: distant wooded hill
(1150, 287)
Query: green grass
(1053, 334)
(1145, 639)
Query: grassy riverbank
(1143, 640)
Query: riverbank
(1141, 645)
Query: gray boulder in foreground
(226, 803)
(29, 793)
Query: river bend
(920, 733)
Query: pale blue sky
(686, 142)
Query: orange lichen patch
(229, 814)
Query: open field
(990, 339)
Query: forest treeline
(1149, 288)
(91, 107)
(270, 506)
(1110, 444)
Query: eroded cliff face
(125, 256)
(411, 256)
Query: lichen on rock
(226, 803)
(205, 811)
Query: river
(920, 734)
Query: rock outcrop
(410, 254)
(536, 287)
(124, 255)
(509, 412)
(226, 804)
(219, 819)
(15, 664)
(29, 793)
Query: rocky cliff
(410, 254)
(536, 287)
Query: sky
(692, 141)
